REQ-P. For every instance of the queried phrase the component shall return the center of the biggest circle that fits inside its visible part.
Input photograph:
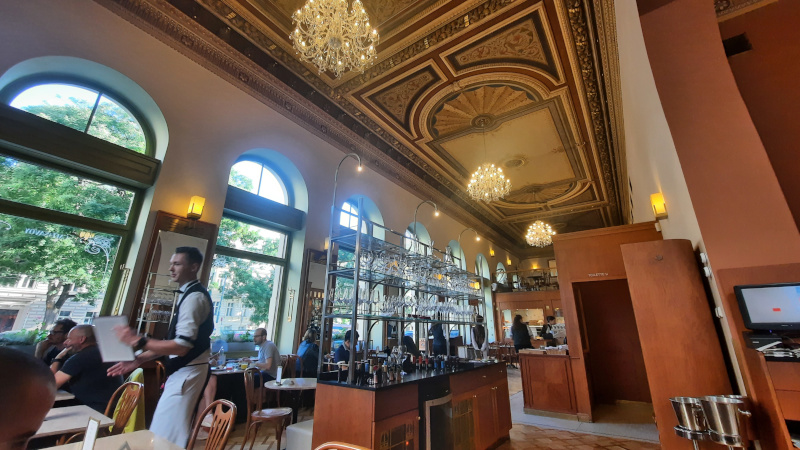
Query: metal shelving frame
(409, 249)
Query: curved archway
(371, 212)
(286, 171)
(65, 68)
(500, 274)
(422, 235)
(458, 252)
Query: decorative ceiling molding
(728, 9)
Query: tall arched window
(69, 206)
(348, 217)
(84, 108)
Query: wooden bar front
(547, 383)
(389, 417)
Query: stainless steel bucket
(727, 419)
(690, 413)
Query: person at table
(479, 341)
(269, 358)
(308, 351)
(520, 334)
(343, 352)
(28, 389)
(188, 345)
(49, 348)
(81, 366)
(439, 341)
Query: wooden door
(399, 432)
(464, 421)
(681, 348)
(485, 422)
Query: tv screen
(770, 306)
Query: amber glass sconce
(196, 205)
(659, 205)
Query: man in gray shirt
(269, 358)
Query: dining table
(295, 386)
(138, 440)
(70, 419)
(63, 396)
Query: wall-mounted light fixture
(491, 252)
(508, 261)
(659, 205)
(196, 205)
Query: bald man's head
(80, 337)
(31, 387)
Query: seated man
(49, 348)
(85, 370)
(28, 390)
(269, 358)
(343, 352)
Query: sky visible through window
(257, 179)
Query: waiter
(188, 345)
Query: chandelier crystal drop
(488, 183)
(334, 38)
(539, 234)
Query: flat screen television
(770, 306)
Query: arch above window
(120, 97)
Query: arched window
(501, 275)
(86, 109)
(257, 178)
(348, 217)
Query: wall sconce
(508, 261)
(196, 205)
(491, 252)
(659, 205)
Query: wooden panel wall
(681, 348)
(770, 426)
(615, 361)
(590, 256)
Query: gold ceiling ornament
(334, 38)
(539, 234)
(488, 183)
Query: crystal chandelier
(539, 234)
(488, 182)
(332, 38)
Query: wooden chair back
(290, 366)
(221, 425)
(253, 388)
(339, 446)
(130, 394)
(161, 376)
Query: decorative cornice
(577, 12)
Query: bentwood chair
(221, 425)
(339, 446)
(123, 401)
(161, 376)
(280, 417)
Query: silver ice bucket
(727, 417)
(691, 420)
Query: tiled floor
(527, 432)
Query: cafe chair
(161, 376)
(339, 446)
(221, 425)
(123, 402)
(254, 390)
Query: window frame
(265, 166)
(9, 92)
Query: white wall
(210, 124)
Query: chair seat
(271, 413)
(298, 436)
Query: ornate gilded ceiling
(531, 70)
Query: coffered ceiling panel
(456, 84)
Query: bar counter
(547, 384)
(415, 377)
(393, 415)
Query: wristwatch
(140, 343)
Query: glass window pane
(243, 236)
(115, 124)
(246, 175)
(45, 266)
(35, 185)
(61, 103)
(272, 188)
(245, 289)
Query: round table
(295, 385)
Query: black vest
(203, 341)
